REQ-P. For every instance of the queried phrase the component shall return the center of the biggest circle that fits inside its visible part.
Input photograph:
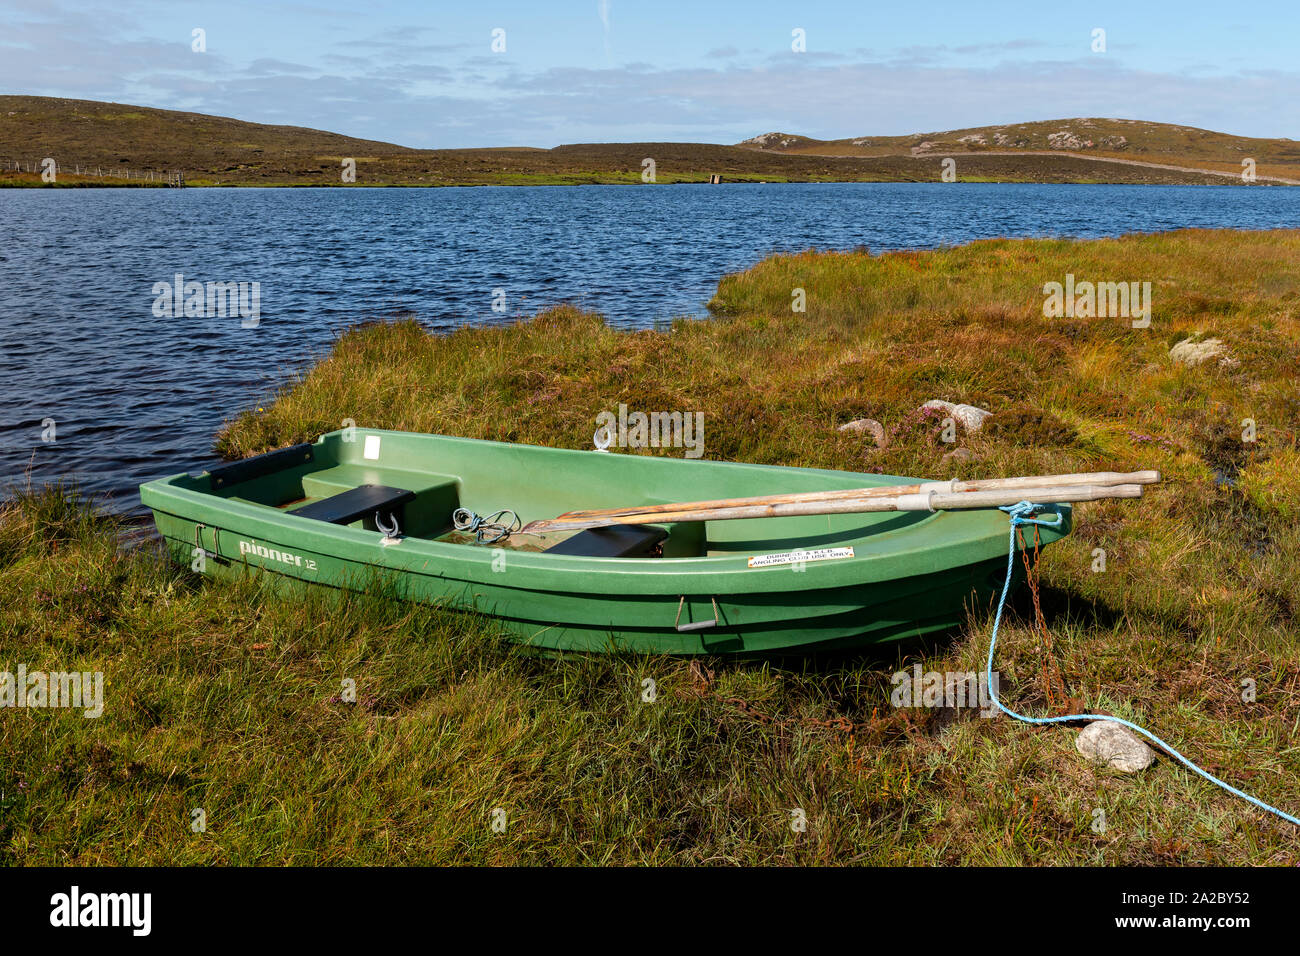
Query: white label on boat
(371, 451)
(798, 557)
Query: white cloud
(411, 86)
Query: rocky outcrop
(771, 141)
(1064, 139)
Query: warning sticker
(799, 557)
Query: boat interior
(335, 484)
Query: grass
(219, 151)
(228, 698)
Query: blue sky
(425, 74)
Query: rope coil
(486, 530)
(1020, 515)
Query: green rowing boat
(362, 508)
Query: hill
(1120, 141)
(96, 143)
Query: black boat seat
(360, 502)
(614, 541)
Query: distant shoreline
(1225, 182)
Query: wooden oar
(925, 500)
(885, 491)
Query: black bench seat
(360, 502)
(614, 541)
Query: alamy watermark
(953, 690)
(128, 910)
(38, 690)
(651, 430)
(199, 300)
(1125, 300)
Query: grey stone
(1111, 745)
(868, 426)
(968, 417)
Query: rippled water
(134, 396)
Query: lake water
(135, 395)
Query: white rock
(1111, 745)
(970, 418)
(1190, 352)
(940, 404)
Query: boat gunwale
(965, 539)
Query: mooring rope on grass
(1020, 515)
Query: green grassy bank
(228, 699)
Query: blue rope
(486, 530)
(1020, 516)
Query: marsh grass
(229, 698)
